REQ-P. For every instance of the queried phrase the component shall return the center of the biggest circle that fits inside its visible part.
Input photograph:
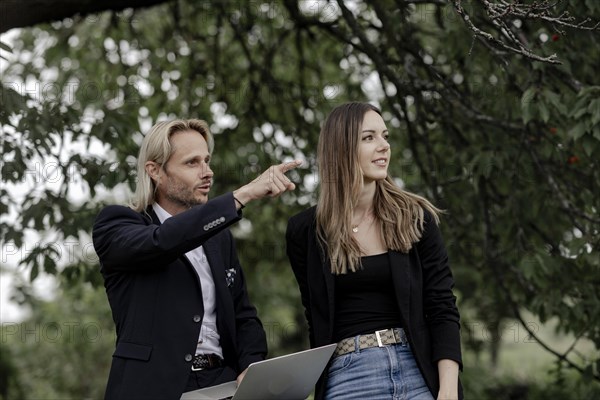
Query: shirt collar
(161, 213)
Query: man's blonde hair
(156, 147)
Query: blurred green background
(494, 115)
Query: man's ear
(153, 171)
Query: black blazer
(156, 298)
(423, 284)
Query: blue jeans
(388, 372)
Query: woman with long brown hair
(373, 272)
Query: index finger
(285, 167)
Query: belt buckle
(378, 336)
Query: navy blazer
(156, 297)
(422, 281)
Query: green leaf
(34, 272)
(526, 104)
(577, 131)
(5, 47)
(544, 113)
(578, 113)
(596, 132)
(594, 109)
(589, 144)
(556, 101)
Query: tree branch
(22, 13)
(538, 10)
(520, 49)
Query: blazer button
(197, 318)
(188, 357)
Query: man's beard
(179, 193)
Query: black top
(365, 300)
(423, 282)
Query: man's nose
(207, 171)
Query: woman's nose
(384, 145)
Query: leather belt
(380, 338)
(206, 361)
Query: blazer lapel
(318, 257)
(216, 266)
(156, 221)
(400, 267)
(224, 301)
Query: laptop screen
(292, 376)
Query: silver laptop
(290, 377)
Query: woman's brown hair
(400, 213)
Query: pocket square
(230, 276)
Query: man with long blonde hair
(173, 280)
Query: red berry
(555, 37)
(572, 160)
(553, 130)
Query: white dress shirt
(208, 342)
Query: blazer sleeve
(251, 341)
(296, 237)
(439, 302)
(127, 240)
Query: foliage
(483, 122)
(483, 383)
(63, 349)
